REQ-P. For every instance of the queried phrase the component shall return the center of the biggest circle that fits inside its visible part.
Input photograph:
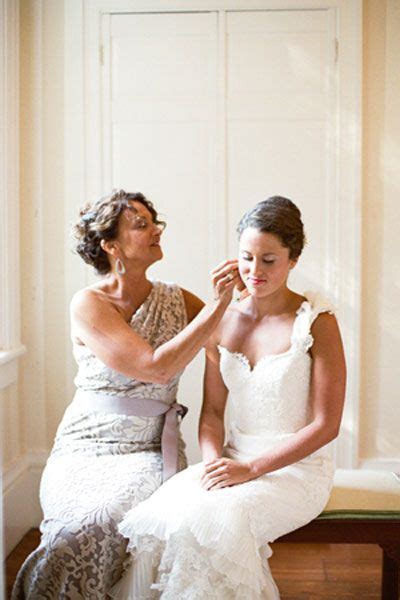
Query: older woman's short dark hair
(100, 220)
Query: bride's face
(264, 263)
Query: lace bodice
(161, 316)
(273, 396)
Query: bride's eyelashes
(265, 261)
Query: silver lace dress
(101, 466)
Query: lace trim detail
(314, 305)
(189, 571)
(301, 338)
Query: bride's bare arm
(99, 325)
(211, 426)
(327, 390)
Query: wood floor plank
(301, 571)
(18, 555)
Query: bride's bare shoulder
(232, 315)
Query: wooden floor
(301, 571)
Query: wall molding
(9, 207)
(349, 186)
(21, 507)
(74, 151)
(34, 363)
(10, 346)
(9, 175)
(9, 362)
(10, 355)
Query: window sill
(9, 365)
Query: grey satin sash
(139, 407)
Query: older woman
(119, 438)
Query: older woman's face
(138, 236)
(264, 263)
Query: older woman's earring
(120, 267)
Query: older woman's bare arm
(101, 327)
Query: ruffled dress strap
(314, 305)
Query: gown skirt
(192, 544)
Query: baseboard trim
(21, 507)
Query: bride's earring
(120, 267)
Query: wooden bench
(364, 508)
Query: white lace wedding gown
(192, 544)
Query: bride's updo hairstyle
(279, 216)
(100, 220)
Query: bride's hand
(225, 472)
(224, 279)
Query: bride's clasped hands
(225, 472)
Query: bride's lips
(256, 281)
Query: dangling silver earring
(120, 267)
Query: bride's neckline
(245, 360)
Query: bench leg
(390, 571)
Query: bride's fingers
(211, 466)
(216, 473)
(219, 472)
(215, 481)
(216, 464)
(222, 484)
(208, 479)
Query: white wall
(380, 352)
(10, 345)
(32, 410)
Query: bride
(277, 360)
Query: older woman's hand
(225, 277)
(225, 472)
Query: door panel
(207, 115)
(162, 77)
(163, 90)
(279, 93)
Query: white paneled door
(160, 103)
(280, 119)
(208, 113)
(160, 90)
